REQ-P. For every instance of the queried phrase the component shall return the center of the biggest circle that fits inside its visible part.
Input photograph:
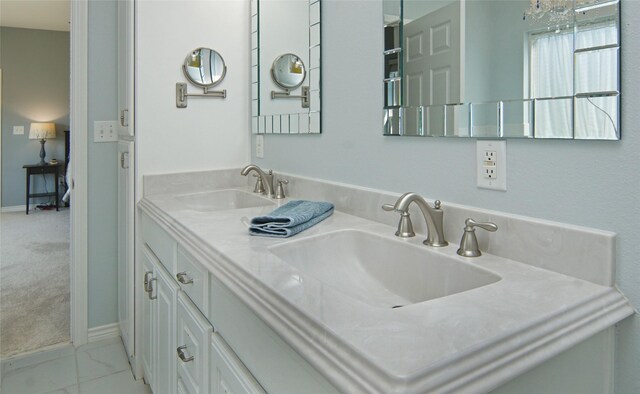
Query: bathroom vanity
(348, 307)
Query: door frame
(79, 171)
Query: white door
(193, 333)
(125, 67)
(126, 245)
(148, 319)
(167, 290)
(433, 71)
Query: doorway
(76, 318)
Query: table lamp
(42, 132)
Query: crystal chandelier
(553, 12)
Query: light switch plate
(491, 164)
(105, 131)
(18, 130)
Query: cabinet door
(148, 318)
(227, 374)
(167, 291)
(192, 348)
(125, 66)
(125, 245)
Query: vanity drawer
(161, 243)
(193, 335)
(274, 364)
(227, 374)
(193, 279)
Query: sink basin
(220, 200)
(380, 271)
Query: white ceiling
(36, 14)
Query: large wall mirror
(502, 69)
(285, 67)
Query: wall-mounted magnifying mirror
(502, 69)
(205, 68)
(288, 72)
(286, 66)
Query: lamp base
(42, 153)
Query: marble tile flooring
(96, 368)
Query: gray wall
(103, 246)
(590, 183)
(35, 88)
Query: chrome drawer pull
(183, 278)
(182, 355)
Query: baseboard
(104, 332)
(14, 208)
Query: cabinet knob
(182, 354)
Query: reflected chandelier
(553, 12)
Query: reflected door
(432, 58)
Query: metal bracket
(181, 94)
(305, 96)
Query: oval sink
(220, 200)
(380, 271)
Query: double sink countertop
(472, 340)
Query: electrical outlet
(105, 131)
(260, 146)
(491, 166)
(17, 130)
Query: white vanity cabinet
(192, 348)
(159, 313)
(180, 350)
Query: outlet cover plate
(491, 164)
(18, 130)
(260, 146)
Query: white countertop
(470, 341)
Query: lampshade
(40, 131)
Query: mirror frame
(202, 85)
(399, 120)
(309, 121)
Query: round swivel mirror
(288, 71)
(204, 67)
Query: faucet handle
(489, 226)
(280, 189)
(405, 227)
(469, 242)
(259, 185)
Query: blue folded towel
(291, 218)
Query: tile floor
(96, 368)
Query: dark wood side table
(42, 169)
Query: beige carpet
(34, 280)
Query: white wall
(590, 183)
(210, 132)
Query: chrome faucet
(267, 178)
(432, 215)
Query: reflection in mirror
(494, 68)
(288, 71)
(204, 67)
(285, 66)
